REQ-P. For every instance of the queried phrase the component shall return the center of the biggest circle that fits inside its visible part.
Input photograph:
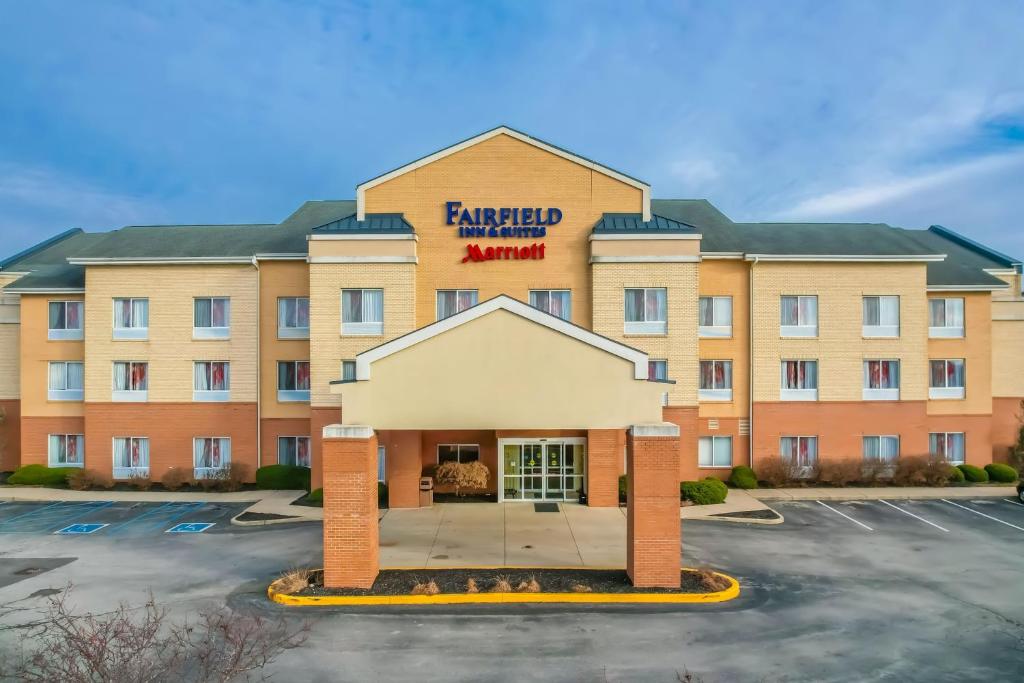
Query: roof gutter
(160, 261)
(851, 258)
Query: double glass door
(542, 469)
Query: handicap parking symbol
(80, 529)
(190, 528)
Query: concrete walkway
(880, 492)
(737, 500)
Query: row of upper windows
(645, 312)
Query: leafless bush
(141, 483)
(921, 470)
(175, 478)
(501, 585)
(84, 480)
(841, 472)
(877, 471)
(137, 644)
(530, 586)
(429, 588)
(462, 475)
(712, 582)
(471, 586)
(778, 471)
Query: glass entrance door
(542, 469)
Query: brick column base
(351, 534)
(653, 533)
(604, 464)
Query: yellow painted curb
(730, 593)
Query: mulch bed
(465, 498)
(402, 581)
(262, 516)
(750, 514)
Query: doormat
(545, 507)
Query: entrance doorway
(542, 469)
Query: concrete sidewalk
(882, 492)
(737, 500)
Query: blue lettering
(453, 210)
(465, 218)
(503, 215)
(554, 216)
(489, 219)
(527, 216)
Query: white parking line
(983, 515)
(1011, 500)
(846, 516)
(896, 507)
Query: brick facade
(653, 529)
(605, 462)
(351, 529)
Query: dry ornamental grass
(501, 585)
(581, 588)
(471, 586)
(429, 588)
(294, 580)
(530, 586)
(712, 582)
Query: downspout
(750, 364)
(259, 371)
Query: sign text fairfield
(503, 222)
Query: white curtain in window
(202, 452)
(706, 311)
(56, 446)
(73, 312)
(122, 313)
(889, 448)
(56, 315)
(121, 377)
(219, 312)
(140, 313)
(889, 310)
(203, 316)
(446, 301)
(140, 452)
(955, 446)
(75, 378)
(352, 306)
(202, 377)
(373, 305)
(871, 311)
(723, 310)
(122, 453)
(808, 310)
(705, 453)
(954, 312)
(656, 308)
(634, 305)
(937, 312)
(871, 447)
(790, 310)
(58, 376)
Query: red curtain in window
(135, 452)
(138, 376)
(302, 452)
(719, 375)
(72, 449)
(791, 375)
(302, 376)
(215, 453)
(72, 322)
(217, 376)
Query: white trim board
(682, 258)
(363, 259)
(614, 236)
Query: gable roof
(645, 188)
(375, 223)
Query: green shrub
(706, 492)
(40, 475)
(283, 477)
(956, 475)
(623, 488)
(742, 477)
(1001, 473)
(316, 496)
(973, 473)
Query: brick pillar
(653, 535)
(351, 534)
(402, 449)
(604, 464)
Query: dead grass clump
(84, 480)
(530, 586)
(501, 585)
(471, 586)
(841, 472)
(711, 581)
(429, 588)
(581, 588)
(294, 580)
(175, 478)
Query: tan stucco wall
(976, 350)
(501, 371)
(503, 171)
(10, 313)
(648, 248)
(326, 249)
(279, 279)
(36, 353)
(679, 345)
(840, 348)
(170, 349)
(1008, 349)
(329, 345)
(729, 278)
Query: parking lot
(115, 518)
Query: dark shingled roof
(180, 241)
(46, 263)
(374, 223)
(633, 223)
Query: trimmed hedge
(40, 475)
(1004, 474)
(742, 477)
(623, 487)
(706, 492)
(315, 496)
(956, 475)
(283, 477)
(973, 473)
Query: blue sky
(910, 113)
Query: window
(715, 316)
(131, 381)
(714, 451)
(799, 316)
(362, 311)
(945, 317)
(382, 460)
(211, 381)
(799, 380)
(715, 380)
(447, 452)
(881, 380)
(293, 380)
(881, 449)
(452, 301)
(65, 320)
(65, 383)
(293, 317)
(212, 318)
(211, 456)
(947, 445)
(348, 370)
(293, 450)
(66, 450)
(800, 451)
(131, 318)
(646, 311)
(557, 302)
(881, 316)
(947, 378)
(657, 370)
(131, 457)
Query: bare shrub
(140, 483)
(778, 471)
(530, 586)
(877, 471)
(84, 480)
(137, 644)
(581, 588)
(712, 582)
(921, 470)
(840, 472)
(501, 585)
(471, 586)
(462, 475)
(429, 588)
(294, 580)
(175, 478)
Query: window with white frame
(881, 449)
(799, 316)
(131, 457)
(131, 381)
(715, 380)
(66, 381)
(714, 316)
(947, 445)
(881, 316)
(362, 311)
(211, 318)
(457, 452)
(293, 450)
(65, 450)
(799, 380)
(646, 310)
(881, 380)
(946, 318)
(211, 456)
(211, 380)
(557, 302)
(293, 317)
(452, 301)
(799, 451)
(65, 320)
(293, 380)
(714, 451)
(131, 318)
(348, 370)
(947, 378)
(657, 370)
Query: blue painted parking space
(190, 528)
(50, 517)
(73, 529)
(154, 519)
(121, 518)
